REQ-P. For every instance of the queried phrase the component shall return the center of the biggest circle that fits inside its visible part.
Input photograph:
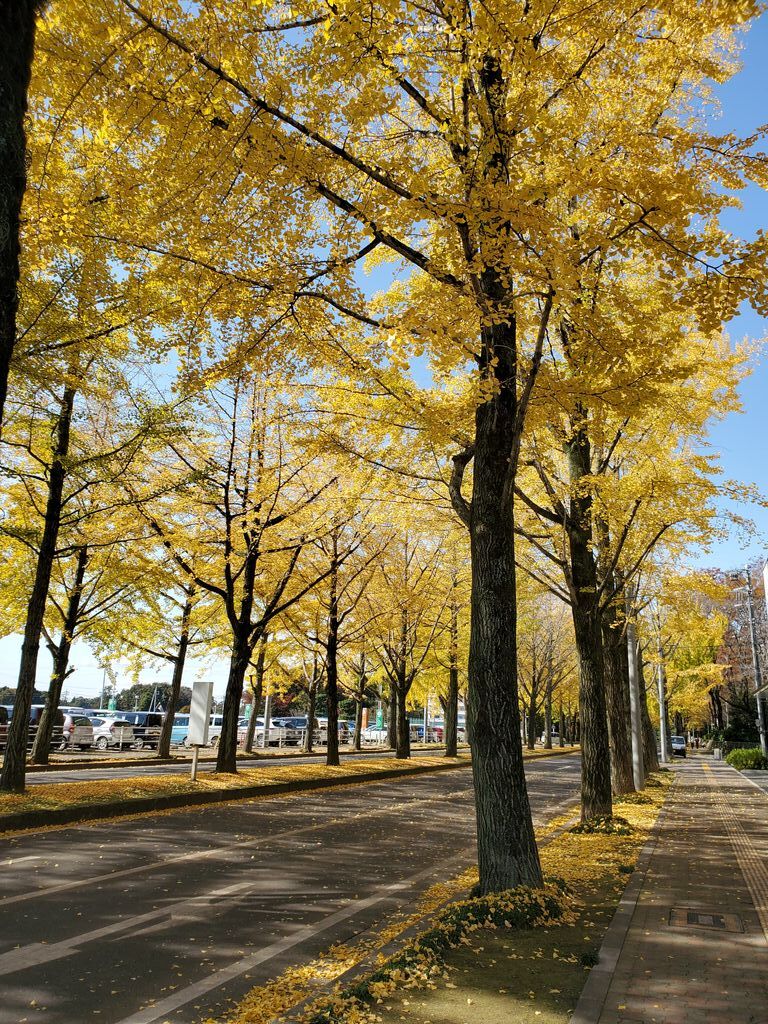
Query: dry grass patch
(53, 796)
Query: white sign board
(200, 713)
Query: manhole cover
(683, 917)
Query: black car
(147, 726)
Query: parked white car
(78, 732)
(374, 734)
(112, 732)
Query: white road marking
(159, 1011)
(183, 858)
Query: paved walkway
(689, 943)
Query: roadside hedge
(747, 759)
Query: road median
(60, 804)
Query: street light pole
(756, 667)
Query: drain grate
(682, 917)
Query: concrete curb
(595, 991)
(174, 801)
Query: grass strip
(519, 955)
(55, 796)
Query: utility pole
(756, 667)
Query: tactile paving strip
(752, 866)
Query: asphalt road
(168, 918)
(64, 774)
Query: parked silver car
(112, 732)
(78, 732)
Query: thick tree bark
(17, 45)
(14, 763)
(451, 701)
(257, 691)
(226, 755)
(403, 745)
(392, 716)
(164, 746)
(595, 756)
(506, 845)
(650, 751)
(531, 727)
(309, 739)
(331, 661)
(548, 709)
(42, 744)
(451, 707)
(617, 702)
(561, 725)
(362, 684)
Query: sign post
(199, 719)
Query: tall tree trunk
(595, 756)
(14, 764)
(548, 708)
(650, 752)
(403, 745)
(506, 845)
(17, 46)
(617, 702)
(392, 716)
(42, 744)
(226, 755)
(257, 691)
(531, 728)
(309, 739)
(332, 651)
(451, 703)
(561, 725)
(362, 684)
(164, 746)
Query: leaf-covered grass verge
(53, 796)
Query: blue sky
(740, 439)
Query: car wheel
(101, 743)
(139, 744)
(215, 742)
(185, 741)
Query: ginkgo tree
(505, 157)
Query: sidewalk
(689, 942)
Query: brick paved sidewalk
(693, 948)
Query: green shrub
(747, 759)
